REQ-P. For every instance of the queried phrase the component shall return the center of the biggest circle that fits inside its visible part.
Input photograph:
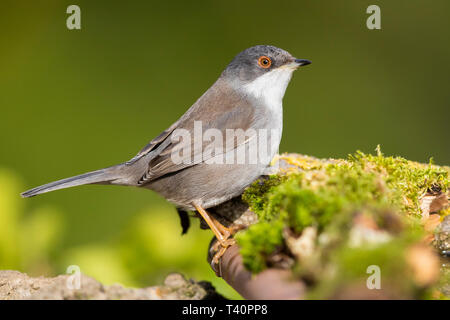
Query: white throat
(270, 87)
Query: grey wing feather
(152, 145)
(230, 112)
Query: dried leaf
(430, 203)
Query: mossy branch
(326, 221)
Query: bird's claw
(220, 247)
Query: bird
(208, 156)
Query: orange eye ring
(264, 62)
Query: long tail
(111, 175)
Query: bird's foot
(223, 236)
(220, 247)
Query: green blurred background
(76, 100)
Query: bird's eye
(264, 62)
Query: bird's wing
(220, 110)
(152, 145)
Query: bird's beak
(296, 64)
(301, 62)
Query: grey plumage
(243, 65)
(246, 96)
(99, 176)
(118, 175)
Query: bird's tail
(111, 175)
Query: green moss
(255, 251)
(256, 195)
(406, 180)
(327, 196)
(303, 207)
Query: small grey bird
(248, 97)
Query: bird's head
(262, 71)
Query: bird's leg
(221, 232)
(226, 232)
